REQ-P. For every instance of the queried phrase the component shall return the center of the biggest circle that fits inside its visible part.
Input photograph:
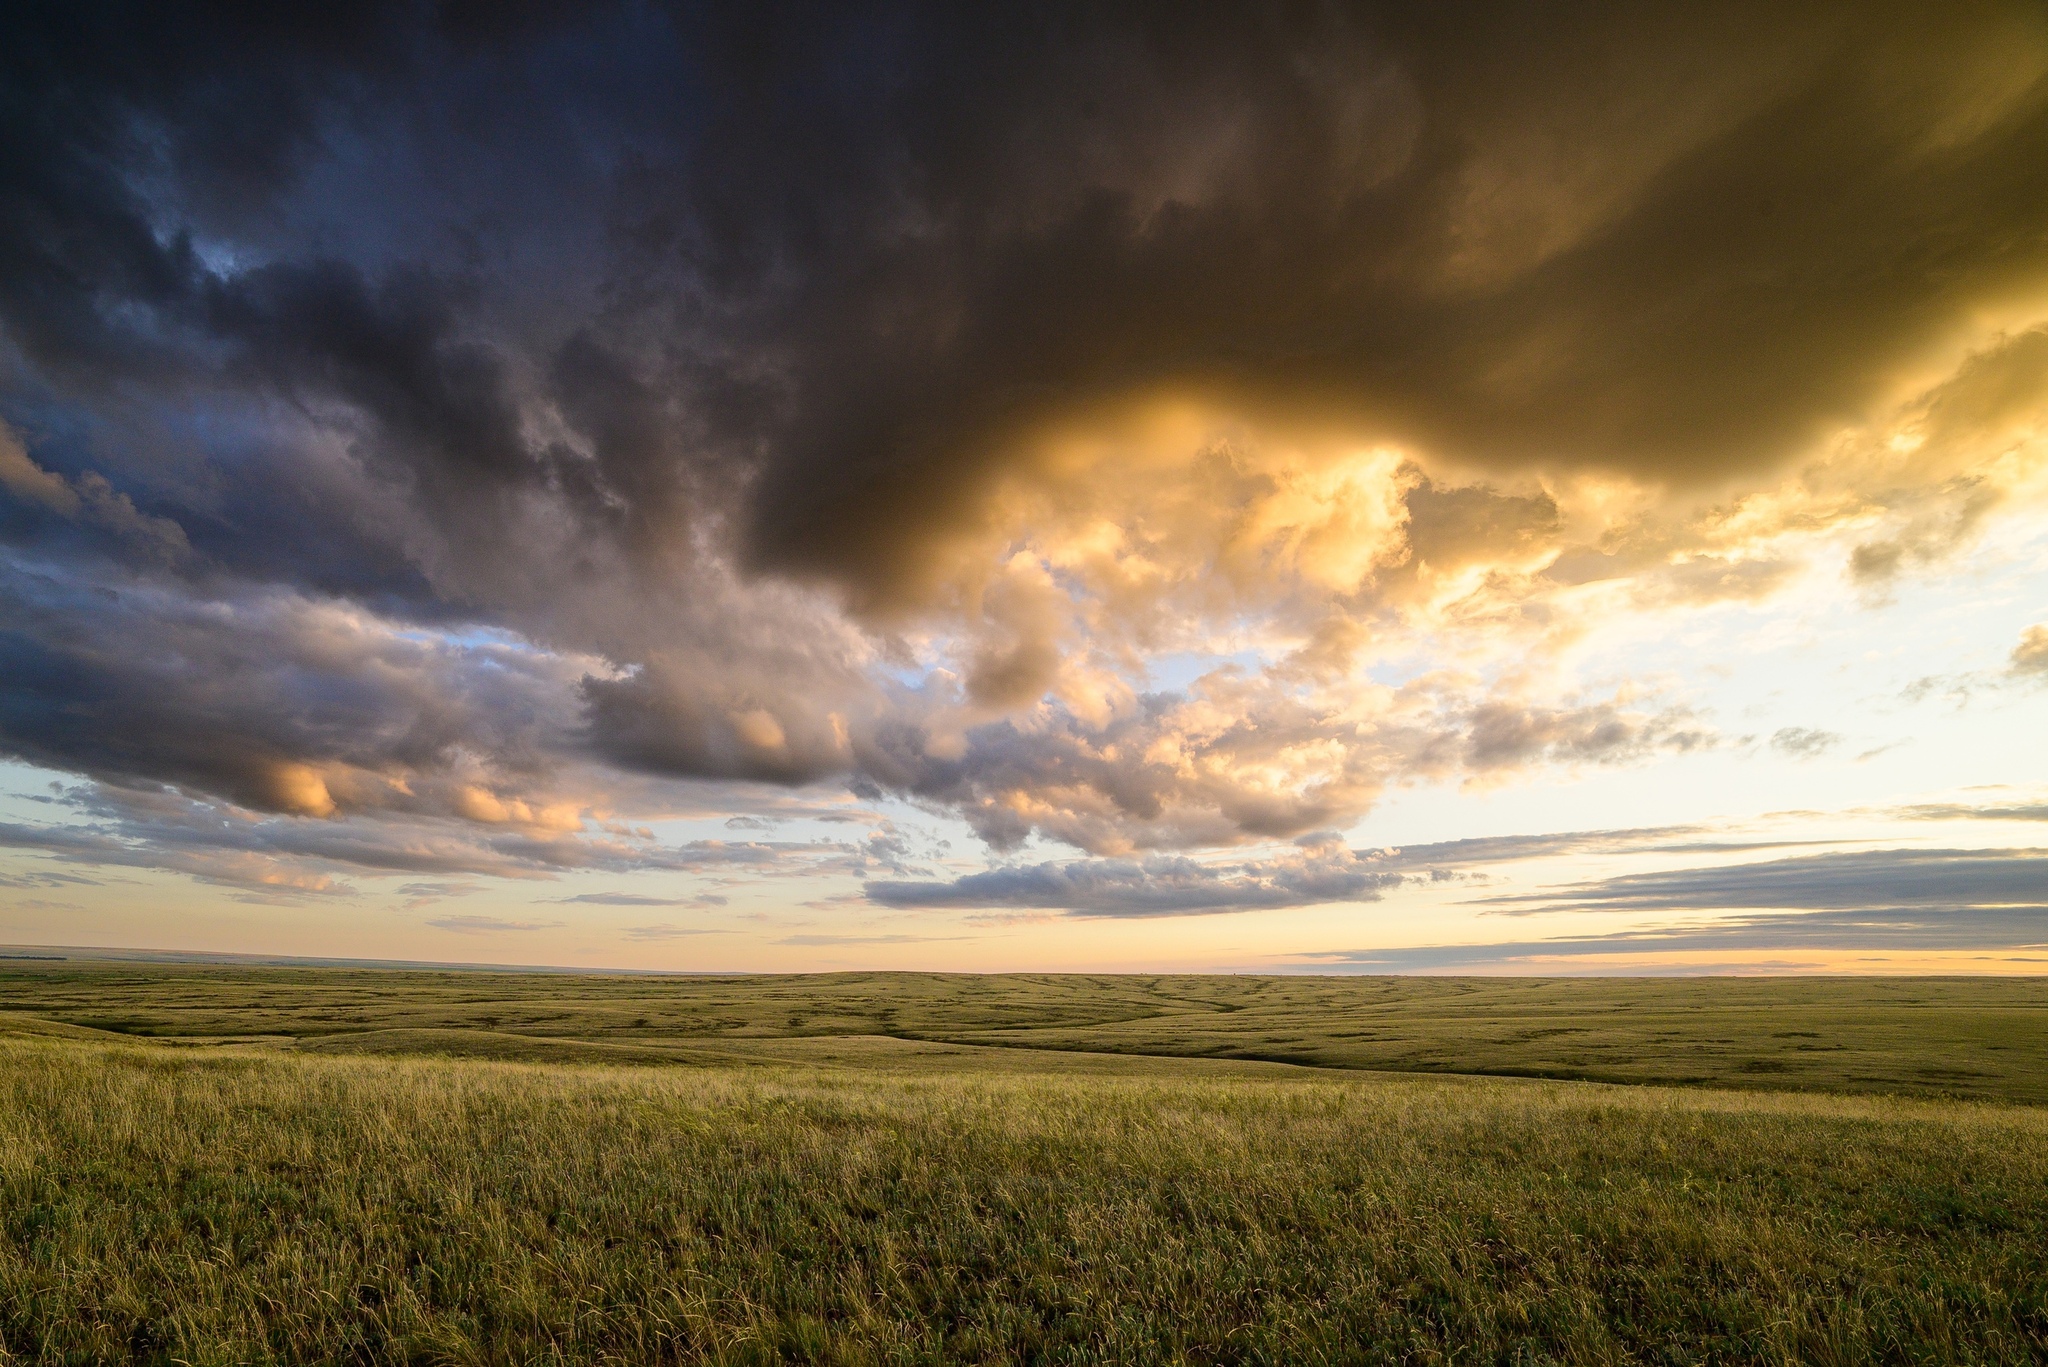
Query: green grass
(248, 1205)
(215, 1165)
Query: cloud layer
(2007, 881)
(427, 431)
(1322, 871)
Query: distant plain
(1983, 1038)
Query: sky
(1323, 488)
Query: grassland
(1984, 1038)
(215, 1165)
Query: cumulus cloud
(900, 402)
(279, 701)
(1237, 758)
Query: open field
(215, 1165)
(244, 1204)
(1972, 1037)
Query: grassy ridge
(252, 1204)
(1984, 1037)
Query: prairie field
(226, 1164)
(1983, 1038)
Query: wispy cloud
(823, 940)
(1804, 742)
(419, 895)
(1995, 901)
(1504, 849)
(1971, 811)
(2009, 880)
(666, 930)
(2015, 933)
(635, 899)
(489, 925)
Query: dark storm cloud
(129, 679)
(183, 208)
(558, 320)
(2014, 881)
(1386, 218)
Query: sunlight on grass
(246, 1204)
